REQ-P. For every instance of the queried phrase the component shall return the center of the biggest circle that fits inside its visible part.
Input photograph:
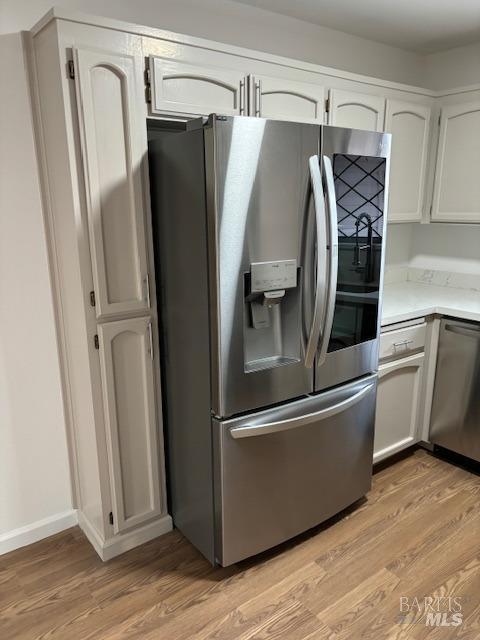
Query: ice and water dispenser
(272, 322)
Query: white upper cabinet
(409, 124)
(191, 89)
(456, 195)
(284, 99)
(356, 110)
(130, 420)
(110, 100)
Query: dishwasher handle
(462, 330)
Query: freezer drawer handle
(463, 331)
(246, 431)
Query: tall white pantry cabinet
(94, 84)
(92, 123)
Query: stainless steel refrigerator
(269, 245)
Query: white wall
(34, 473)
(446, 247)
(457, 67)
(242, 25)
(399, 244)
(436, 247)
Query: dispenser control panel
(271, 276)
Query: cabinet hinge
(110, 517)
(71, 69)
(92, 298)
(327, 105)
(96, 342)
(148, 85)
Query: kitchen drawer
(399, 342)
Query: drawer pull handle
(402, 345)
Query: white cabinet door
(185, 88)
(456, 195)
(409, 124)
(356, 110)
(126, 360)
(110, 100)
(398, 405)
(282, 99)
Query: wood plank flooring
(417, 534)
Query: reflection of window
(359, 187)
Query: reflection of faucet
(368, 246)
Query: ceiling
(424, 26)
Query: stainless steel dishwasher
(455, 422)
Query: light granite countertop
(408, 300)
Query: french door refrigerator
(269, 241)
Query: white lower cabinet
(128, 386)
(398, 414)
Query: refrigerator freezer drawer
(284, 470)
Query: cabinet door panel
(398, 405)
(356, 110)
(409, 125)
(184, 88)
(109, 94)
(282, 99)
(130, 420)
(456, 196)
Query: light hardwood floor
(417, 535)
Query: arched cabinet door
(110, 102)
(456, 195)
(356, 110)
(398, 405)
(409, 124)
(191, 89)
(283, 99)
(126, 362)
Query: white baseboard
(392, 449)
(37, 531)
(108, 549)
(91, 533)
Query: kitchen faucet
(368, 246)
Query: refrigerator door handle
(333, 259)
(321, 266)
(247, 430)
